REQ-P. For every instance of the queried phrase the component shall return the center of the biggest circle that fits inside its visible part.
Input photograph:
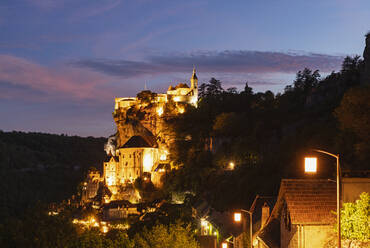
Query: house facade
(303, 215)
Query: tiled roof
(108, 158)
(309, 201)
(118, 203)
(139, 141)
(181, 85)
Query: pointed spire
(194, 79)
(194, 76)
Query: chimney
(265, 214)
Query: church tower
(194, 88)
(194, 80)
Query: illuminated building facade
(140, 147)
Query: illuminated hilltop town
(140, 147)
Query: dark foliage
(37, 167)
(266, 136)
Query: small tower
(194, 80)
(194, 88)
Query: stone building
(118, 210)
(91, 185)
(140, 148)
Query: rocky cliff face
(145, 122)
(366, 55)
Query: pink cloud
(64, 82)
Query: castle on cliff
(140, 147)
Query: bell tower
(194, 88)
(194, 80)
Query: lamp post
(238, 217)
(310, 167)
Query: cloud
(46, 4)
(20, 77)
(11, 45)
(214, 62)
(94, 10)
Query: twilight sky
(62, 62)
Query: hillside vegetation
(38, 167)
(267, 136)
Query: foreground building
(302, 216)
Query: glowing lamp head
(310, 164)
(224, 245)
(237, 217)
(231, 165)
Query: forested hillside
(38, 167)
(266, 136)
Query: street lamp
(310, 167)
(224, 245)
(238, 218)
(231, 165)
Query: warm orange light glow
(231, 165)
(163, 155)
(193, 100)
(237, 217)
(160, 111)
(224, 245)
(310, 164)
(181, 110)
(203, 222)
(110, 181)
(148, 162)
